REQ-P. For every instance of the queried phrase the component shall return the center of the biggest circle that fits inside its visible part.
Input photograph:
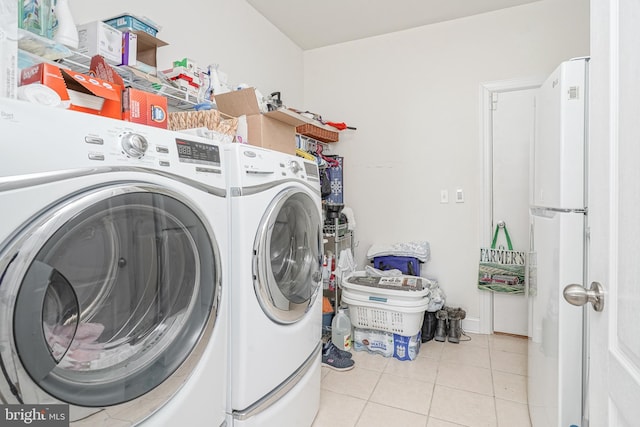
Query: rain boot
(428, 326)
(455, 324)
(441, 327)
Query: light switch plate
(444, 196)
(459, 196)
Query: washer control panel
(133, 145)
(190, 151)
(76, 140)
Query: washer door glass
(288, 256)
(116, 297)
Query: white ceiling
(317, 23)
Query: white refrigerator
(559, 245)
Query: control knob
(295, 166)
(134, 145)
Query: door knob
(579, 295)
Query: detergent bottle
(341, 331)
(65, 31)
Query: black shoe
(342, 353)
(331, 359)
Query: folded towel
(418, 249)
(374, 272)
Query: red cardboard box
(85, 93)
(144, 107)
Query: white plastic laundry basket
(398, 315)
(400, 287)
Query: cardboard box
(144, 107)
(35, 16)
(98, 38)
(146, 54)
(270, 133)
(275, 130)
(84, 93)
(129, 48)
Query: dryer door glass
(288, 253)
(117, 296)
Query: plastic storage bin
(408, 265)
(130, 22)
(392, 304)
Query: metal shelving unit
(34, 49)
(340, 234)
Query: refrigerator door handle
(550, 212)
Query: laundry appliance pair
(116, 281)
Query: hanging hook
(501, 224)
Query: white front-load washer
(113, 258)
(276, 320)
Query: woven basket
(211, 119)
(315, 132)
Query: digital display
(184, 150)
(311, 169)
(197, 152)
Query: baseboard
(471, 325)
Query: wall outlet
(444, 196)
(459, 196)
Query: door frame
(487, 89)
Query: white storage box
(392, 304)
(98, 38)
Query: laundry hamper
(392, 304)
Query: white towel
(346, 263)
(419, 249)
(374, 272)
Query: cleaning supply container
(393, 304)
(341, 331)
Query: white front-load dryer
(276, 320)
(113, 258)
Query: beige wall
(226, 32)
(414, 98)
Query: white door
(513, 119)
(614, 350)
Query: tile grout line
(373, 389)
(435, 381)
(493, 384)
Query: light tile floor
(481, 382)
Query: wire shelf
(35, 49)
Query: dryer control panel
(258, 166)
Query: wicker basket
(211, 119)
(317, 132)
